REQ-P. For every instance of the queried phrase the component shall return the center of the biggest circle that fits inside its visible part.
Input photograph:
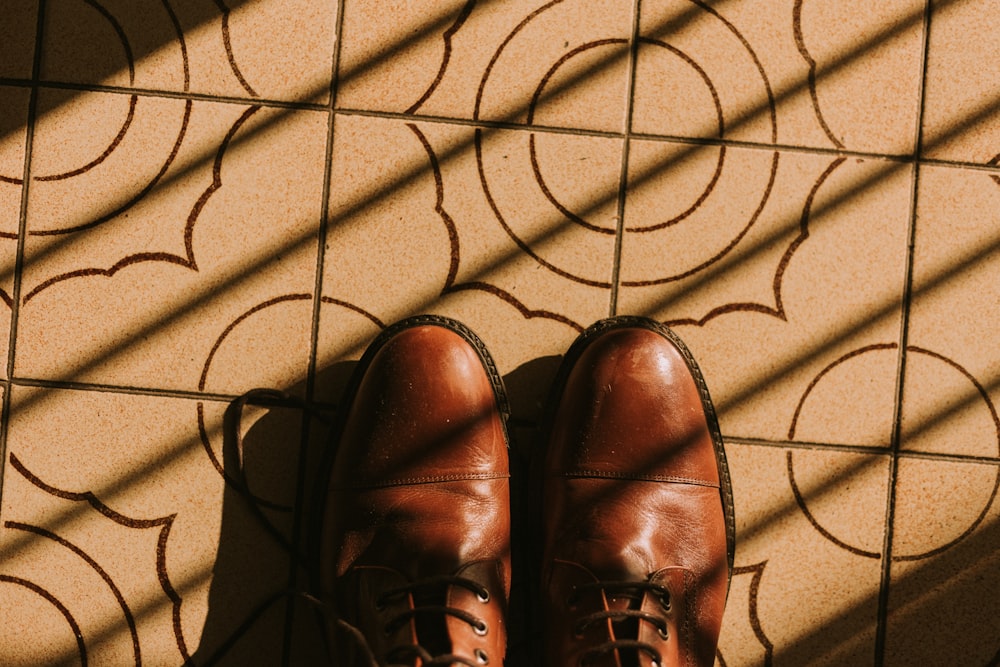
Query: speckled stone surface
(203, 197)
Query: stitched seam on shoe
(610, 474)
(425, 480)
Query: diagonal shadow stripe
(408, 176)
(978, 258)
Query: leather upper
(419, 489)
(632, 493)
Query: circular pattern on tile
(79, 555)
(85, 143)
(922, 527)
(83, 40)
(588, 79)
(663, 194)
(261, 338)
(708, 84)
(264, 332)
(66, 146)
(69, 561)
(698, 85)
(585, 75)
(862, 381)
(938, 504)
(106, 24)
(89, 150)
(26, 600)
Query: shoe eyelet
(481, 657)
(578, 631)
(386, 630)
(663, 632)
(480, 628)
(483, 596)
(665, 601)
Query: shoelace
(620, 615)
(411, 651)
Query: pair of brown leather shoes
(636, 531)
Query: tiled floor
(200, 197)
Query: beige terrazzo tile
(809, 529)
(805, 73)
(118, 520)
(172, 247)
(147, 261)
(17, 38)
(264, 48)
(798, 275)
(945, 549)
(413, 230)
(548, 63)
(946, 410)
(945, 522)
(962, 108)
(13, 121)
(939, 503)
(952, 373)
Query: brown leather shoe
(414, 549)
(638, 525)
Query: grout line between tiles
(885, 582)
(22, 227)
(860, 449)
(806, 444)
(229, 282)
(170, 94)
(123, 389)
(993, 169)
(314, 353)
(666, 138)
(500, 125)
(324, 204)
(633, 53)
(951, 458)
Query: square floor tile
(13, 130)
(952, 384)
(810, 527)
(181, 253)
(807, 193)
(774, 274)
(13, 139)
(804, 73)
(945, 558)
(962, 100)
(120, 528)
(409, 233)
(265, 48)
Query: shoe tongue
(432, 629)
